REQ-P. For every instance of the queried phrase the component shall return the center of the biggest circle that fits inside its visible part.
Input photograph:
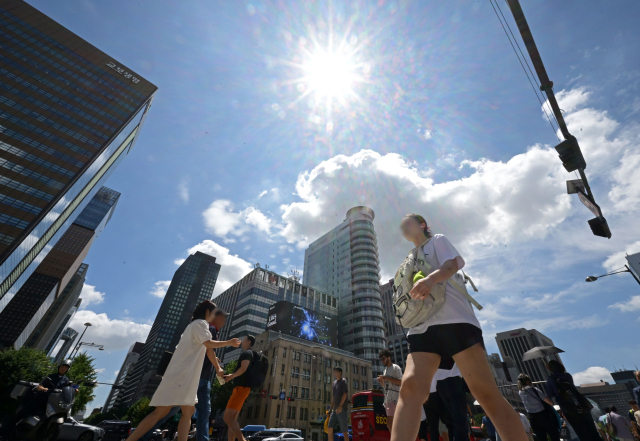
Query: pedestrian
(179, 383)
(204, 385)
(452, 333)
(574, 406)
(636, 390)
(622, 425)
(635, 418)
(525, 424)
(544, 420)
(436, 411)
(339, 405)
(487, 425)
(241, 389)
(390, 380)
(602, 420)
(453, 391)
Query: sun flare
(330, 74)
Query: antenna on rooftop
(294, 274)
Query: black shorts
(446, 341)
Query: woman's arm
(213, 344)
(422, 287)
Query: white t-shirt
(525, 423)
(441, 374)
(456, 307)
(392, 391)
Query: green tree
(138, 411)
(220, 394)
(83, 370)
(25, 364)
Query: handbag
(551, 412)
(564, 433)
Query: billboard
(300, 322)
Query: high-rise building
(68, 336)
(48, 330)
(27, 308)
(69, 114)
(607, 395)
(386, 293)
(504, 372)
(624, 376)
(113, 400)
(344, 263)
(192, 284)
(63, 326)
(399, 347)
(248, 302)
(516, 342)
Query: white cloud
(183, 191)
(264, 192)
(160, 288)
(89, 295)
(593, 375)
(633, 304)
(114, 334)
(221, 220)
(100, 370)
(617, 260)
(233, 267)
(256, 218)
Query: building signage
(300, 322)
(124, 73)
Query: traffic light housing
(599, 227)
(571, 155)
(291, 399)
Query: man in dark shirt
(339, 402)
(203, 406)
(57, 380)
(241, 389)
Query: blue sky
(239, 156)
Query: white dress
(179, 385)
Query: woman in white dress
(451, 335)
(179, 384)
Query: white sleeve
(201, 332)
(446, 251)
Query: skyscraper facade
(30, 304)
(114, 398)
(516, 342)
(249, 299)
(68, 337)
(386, 292)
(192, 283)
(69, 114)
(344, 263)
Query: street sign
(282, 396)
(263, 393)
(592, 206)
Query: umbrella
(540, 352)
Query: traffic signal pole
(569, 150)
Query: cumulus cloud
(160, 288)
(114, 334)
(221, 220)
(633, 304)
(233, 266)
(617, 260)
(593, 375)
(89, 295)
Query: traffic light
(291, 399)
(599, 227)
(571, 155)
(273, 397)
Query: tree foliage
(26, 364)
(83, 370)
(220, 394)
(138, 411)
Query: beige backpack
(409, 312)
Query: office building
(344, 263)
(248, 302)
(505, 371)
(516, 342)
(303, 370)
(48, 330)
(114, 397)
(607, 395)
(386, 293)
(69, 114)
(624, 376)
(192, 284)
(68, 337)
(633, 261)
(63, 326)
(399, 347)
(26, 310)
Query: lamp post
(618, 271)
(86, 326)
(91, 345)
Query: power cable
(525, 71)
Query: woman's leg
(416, 383)
(148, 422)
(185, 422)
(584, 426)
(475, 370)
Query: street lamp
(91, 345)
(86, 326)
(617, 271)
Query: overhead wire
(525, 70)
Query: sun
(330, 74)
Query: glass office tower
(192, 283)
(344, 263)
(69, 114)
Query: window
(282, 370)
(363, 370)
(295, 391)
(354, 369)
(364, 385)
(284, 353)
(281, 388)
(297, 372)
(291, 413)
(355, 384)
(297, 355)
(249, 409)
(265, 410)
(278, 411)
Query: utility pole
(568, 150)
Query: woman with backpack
(544, 420)
(574, 406)
(179, 383)
(452, 334)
